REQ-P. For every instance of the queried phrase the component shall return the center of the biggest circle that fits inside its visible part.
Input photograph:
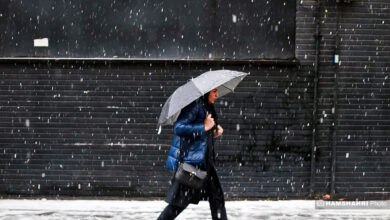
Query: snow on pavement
(11, 209)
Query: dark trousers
(216, 201)
(218, 211)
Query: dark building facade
(296, 127)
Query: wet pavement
(12, 209)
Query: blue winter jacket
(190, 127)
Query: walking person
(196, 129)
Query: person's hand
(208, 122)
(218, 132)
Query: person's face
(213, 96)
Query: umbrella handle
(207, 113)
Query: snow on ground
(124, 209)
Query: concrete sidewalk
(12, 209)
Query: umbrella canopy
(225, 80)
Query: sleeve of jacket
(184, 126)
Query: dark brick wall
(353, 111)
(89, 128)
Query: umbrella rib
(228, 88)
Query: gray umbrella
(225, 80)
